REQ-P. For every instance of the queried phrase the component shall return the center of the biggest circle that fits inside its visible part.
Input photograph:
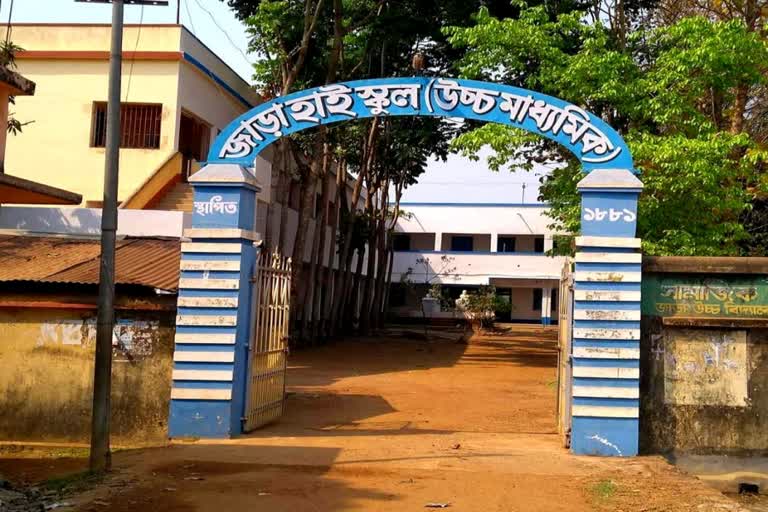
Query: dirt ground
(393, 425)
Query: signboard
(589, 138)
(705, 297)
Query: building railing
(459, 267)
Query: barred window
(139, 125)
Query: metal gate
(564, 341)
(269, 340)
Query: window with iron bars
(139, 125)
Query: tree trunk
(329, 279)
(365, 308)
(318, 250)
(353, 311)
(305, 216)
(346, 250)
(285, 199)
(277, 172)
(739, 107)
(381, 260)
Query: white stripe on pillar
(184, 356)
(599, 411)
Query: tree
(674, 92)
(480, 306)
(8, 60)
(307, 43)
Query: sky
(458, 180)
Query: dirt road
(396, 424)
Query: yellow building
(176, 96)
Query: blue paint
(202, 384)
(607, 286)
(223, 311)
(608, 383)
(248, 136)
(223, 207)
(581, 305)
(608, 213)
(609, 437)
(202, 347)
(218, 203)
(181, 365)
(199, 418)
(607, 267)
(210, 274)
(605, 343)
(606, 363)
(209, 256)
(615, 343)
(213, 76)
(607, 324)
(228, 294)
(545, 320)
(606, 402)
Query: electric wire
(133, 59)
(226, 34)
(189, 16)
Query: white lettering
(215, 205)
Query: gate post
(214, 306)
(606, 317)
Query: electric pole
(100, 456)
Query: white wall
(87, 221)
(458, 218)
(476, 269)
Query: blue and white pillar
(214, 306)
(606, 317)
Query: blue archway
(589, 138)
(213, 334)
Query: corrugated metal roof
(140, 261)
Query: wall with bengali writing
(704, 363)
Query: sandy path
(391, 425)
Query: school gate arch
(215, 311)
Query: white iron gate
(269, 340)
(564, 339)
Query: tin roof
(148, 262)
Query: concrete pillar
(546, 306)
(494, 242)
(606, 317)
(214, 306)
(438, 242)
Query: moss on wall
(713, 419)
(46, 377)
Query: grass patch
(44, 452)
(72, 483)
(604, 489)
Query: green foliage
(8, 60)
(670, 91)
(481, 305)
(436, 291)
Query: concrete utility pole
(100, 456)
